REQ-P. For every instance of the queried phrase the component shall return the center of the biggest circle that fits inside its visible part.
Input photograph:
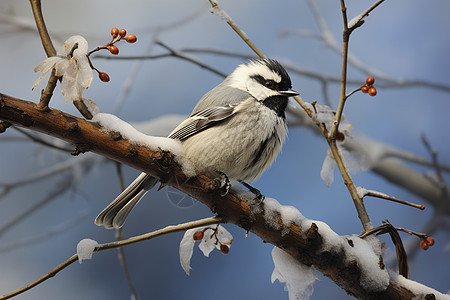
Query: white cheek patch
(259, 91)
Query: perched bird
(236, 129)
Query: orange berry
(114, 32)
(198, 235)
(113, 49)
(370, 80)
(430, 241)
(364, 89)
(372, 91)
(122, 32)
(131, 38)
(103, 76)
(224, 249)
(423, 245)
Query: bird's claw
(259, 197)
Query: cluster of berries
(368, 86)
(426, 242)
(117, 35)
(198, 236)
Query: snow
(373, 278)
(112, 123)
(327, 171)
(418, 289)
(274, 212)
(365, 252)
(85, 249)
(220, 12)
(355, 20)
(298, 277)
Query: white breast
(242, 147)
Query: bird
(237, 130)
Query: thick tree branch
(304, 244)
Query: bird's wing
(202, 120)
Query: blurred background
(404, 42)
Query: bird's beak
(288, 93)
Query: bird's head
(262, 78)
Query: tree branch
(304, 244)
(116, 244)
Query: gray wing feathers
(114, 215)
(201, 120)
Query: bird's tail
(115, 214)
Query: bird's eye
(269, 84)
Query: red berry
(423, 245)
(114, 32)
(103, 76)
(198, 235)
(224, 249)
(370, 80)
(364, 89)
(113, 49)
(430, 241)
(122, 32)
(372, 91)
(131, 38)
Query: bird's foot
(224, 183)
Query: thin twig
(364, 192)
(190, 59)
(101, 247)
(36, 139)
(359, 20)
(123, 263)
(42, 29)
(49, 49)
(120, 236)
(434, 159)
(216, 9)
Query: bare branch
(121, 243)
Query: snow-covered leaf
(208, 242)
(73, 66)
(298, 277)
(186, 249)
(212, 237)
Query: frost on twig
(72, 64)
(210, 238)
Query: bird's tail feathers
(115, 214)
